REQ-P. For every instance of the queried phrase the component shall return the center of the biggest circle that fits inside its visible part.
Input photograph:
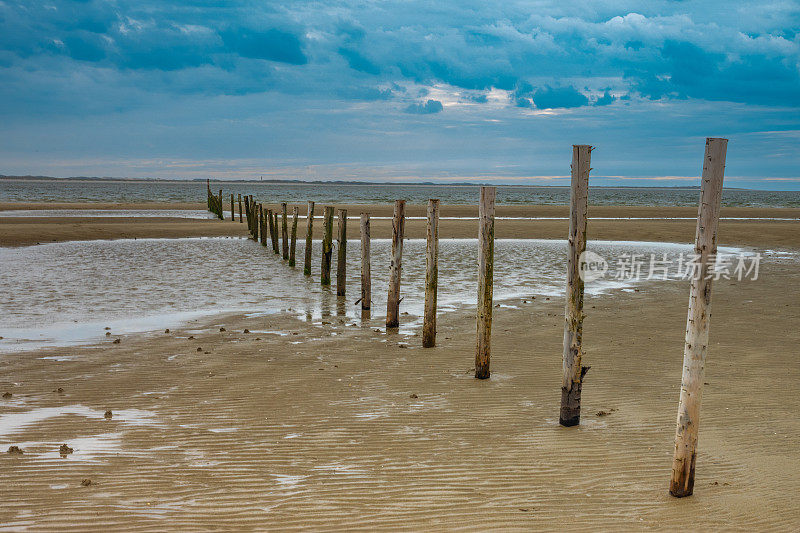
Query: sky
(446, 91)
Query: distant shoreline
(93, 179)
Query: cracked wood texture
(431, 275)
(697, 322)
(572, 383)
(393, 300)
(485, 281)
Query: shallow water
(195, 191)
(68, 293)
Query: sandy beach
(776, 227)
(331, 423)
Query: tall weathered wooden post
(293, 243)
(284, 231)
(698, 319)
(485, 281)
(366, 275)
(327, 246)
(240, 209)
(309, 237)
(233, 211)
(572, 382)
(275, 229)
(220, 213)
(262, 225)
(341, 260)
(395, 267)
(431, 275)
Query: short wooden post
(572, 382)
(309, 237)
(293, 243)
(431, 275)
(255, 221)
(220, 214)
(485, 281)
(698, 319)
(395, 267)
(341, 260)
(240, 209)
(327, 245)
(366, 275)
(284, 231)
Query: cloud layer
(403, 64)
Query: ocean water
(66, 293)
(194, 191)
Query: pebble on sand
(108, 333)
(199, 349)
(222, 329)
(108, 414)
(7, 395)
(246, 330)
(59, 390)
(85, 482)
(65, 450)
(166, 330)
(116, 341)
(15, 450)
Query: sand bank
(755, 227)
(332, 425)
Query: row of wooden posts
(215, 202)
(262, 222)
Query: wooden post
(271, 228)
(276, 246)
(366, 279)
(293, 243)
(255, 221)
(233, 212)
(341, 260)
(485, 281)
(263, 224)
(572, 382)
(431, 275)
(393, 299)
(247, 211)
(220, 214)
(284, 231)
(240, 209)
(327, 245)
(697, 322)
(309, 236)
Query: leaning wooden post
(240, 209)
(697, 323)
(327, 245)
(366, 275)
(395, 267)
(293, 243)
(309, 228)
(341, 260)
(572, 382)
(485, 281)
(431, 275)
(284, 231)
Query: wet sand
(336, 426)
(20, 231)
